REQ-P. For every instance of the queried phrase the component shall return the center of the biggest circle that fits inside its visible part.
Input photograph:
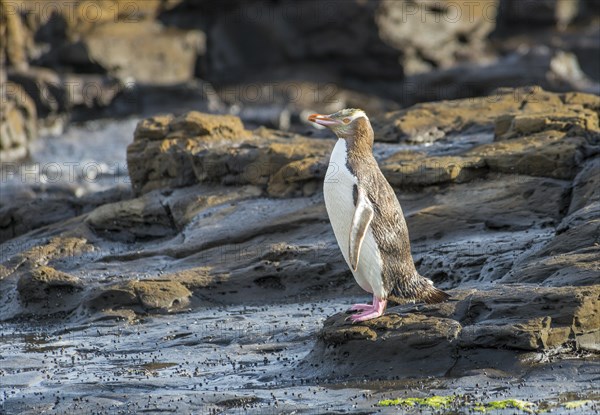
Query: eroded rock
(149, 295)
(404, 342)
(196, 148)
(509, 111)
(144, 217)
(39, 284)
(586, 186)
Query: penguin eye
(346, 120)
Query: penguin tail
(434, 295)
(429, 294)
(419, 288)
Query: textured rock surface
(508, 112)
(141, 296)
(196, 148)
(404, 342)
(513, 202)
(38, 283)
(502, 211)
(202, 285)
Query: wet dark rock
(27, 211)
(144, 218)
(569, 258)
(337, 351)
(586, 186)
(539, 13)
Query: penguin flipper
(363, 215)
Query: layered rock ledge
(508, 328)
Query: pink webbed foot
(361, 307)
(376, 310)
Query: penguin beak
(324, 120)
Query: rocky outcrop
(18, 121)
(37, 284)
(81, 59)
(537, 133)
(501, 207)
(225, 227)
(450, 31)
(386, 38)
(552, 69)
(507, 112)
(197, 148)
(141, 51)
(404, 342)
(571, 257)
(27, 211)
(162, 296)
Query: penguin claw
(370, 315)
(373, 311)
(361, 307)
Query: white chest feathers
(338, 191)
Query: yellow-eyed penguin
(367, 219)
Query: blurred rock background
(268, 61)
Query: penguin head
(346, 123)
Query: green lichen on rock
(444, 402)
(576, 404)
(479, 408)
(511, 404)
(435, 402)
